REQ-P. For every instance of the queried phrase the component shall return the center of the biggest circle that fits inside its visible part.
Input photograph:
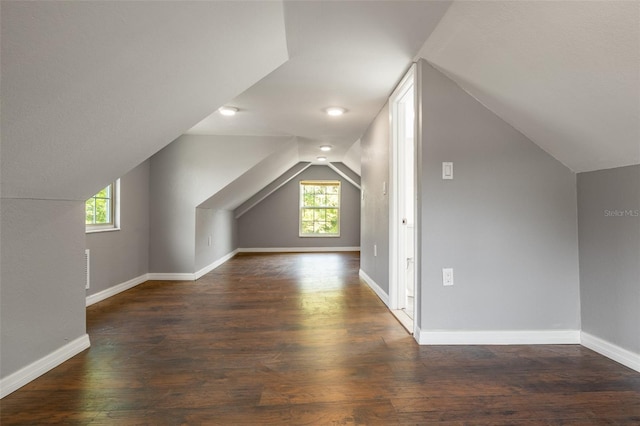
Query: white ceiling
(349, 54)
(91, 89)
(564, 73)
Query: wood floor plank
(299, 339)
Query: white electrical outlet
(447, 276)
(375, 250)
(209, 241)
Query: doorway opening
(402, 218)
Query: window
(101, 210)
(320, 208)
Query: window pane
(108, 218)
(320, 204)
(307, 227)
(102, 210)
(307, 215)
(308, 200)
(104, 193)
(90, 211)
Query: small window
(320, 208)
(101, 210)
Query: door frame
(395, 199)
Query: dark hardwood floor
(298, 339)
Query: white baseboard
(215, 264)
(119, 288)
(36, 369)
(295, 249)
(374, 286)
(507, 337)
(112, 291)
(614, 352)
(167, 276)
(162, 276)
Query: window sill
(319, 236)
(99, 230)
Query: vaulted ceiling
(91, 89)
(348, 54)
(564, 73)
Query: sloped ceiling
(254, 179)
(271, 187)
(193, 167)
(564, 73)
(91, 89)
(352, 157)
(343, 53)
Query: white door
(403, 195)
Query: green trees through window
(320, 208)
(99, 209)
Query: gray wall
(506, 224)
(274, 221)
(42, 296)
(375, 205)
(185, 174)
(52, 132)
(609, 225)
(119, 256)
(221, 226)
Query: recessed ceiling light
(335, 111)
(228, 111)
(325, 148)
(322, 158)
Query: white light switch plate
(447, 170)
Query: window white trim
(96, 229)
(115, 225)
(301, 207)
